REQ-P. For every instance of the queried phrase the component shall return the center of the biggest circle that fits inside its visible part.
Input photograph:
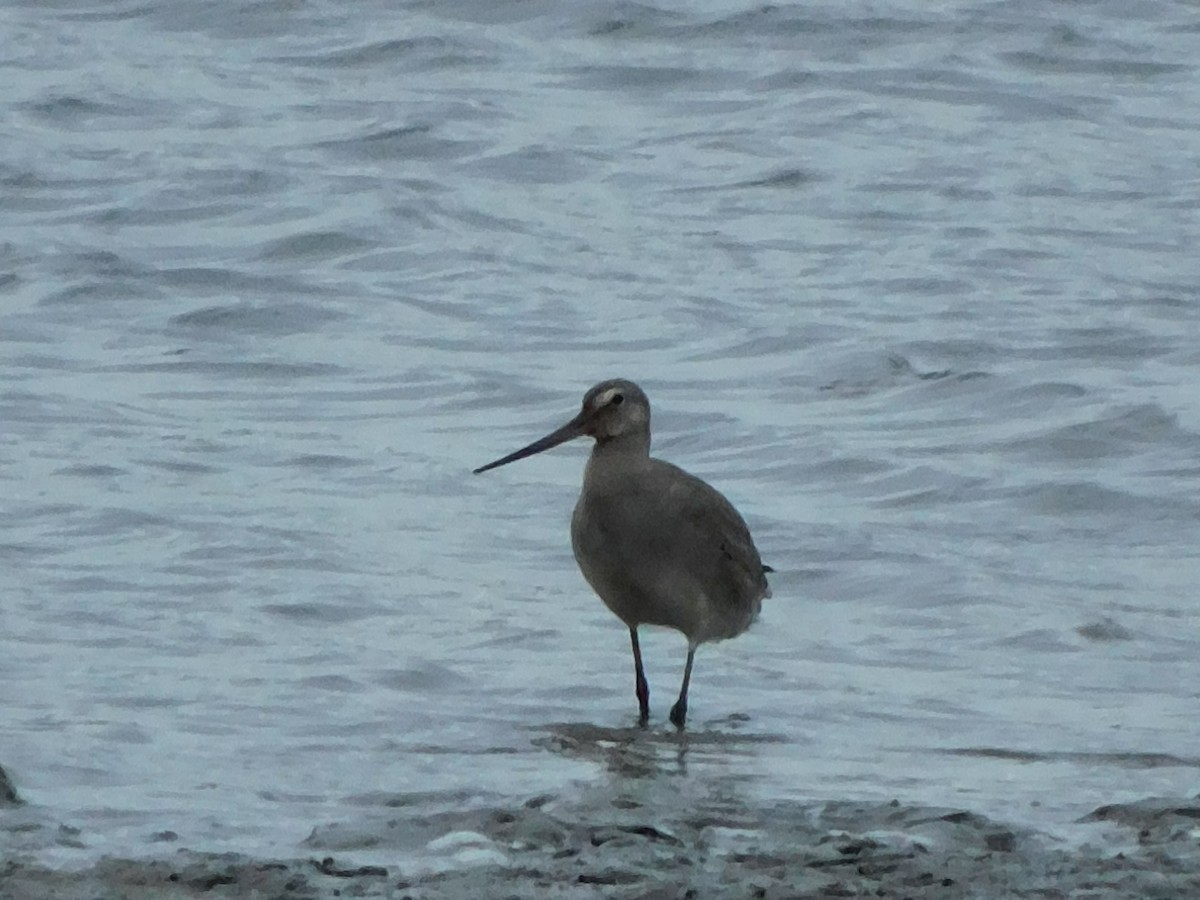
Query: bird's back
(662, 547)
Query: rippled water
(915, 285)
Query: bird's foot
(679, 714)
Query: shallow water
(915, 287)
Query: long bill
(573, 429)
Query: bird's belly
(641, 590)
(616, 572)
(636, 604)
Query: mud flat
(610, 843)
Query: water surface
(914, 285)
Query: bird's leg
(643, 688)
(679, 710)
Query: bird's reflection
(639, 752)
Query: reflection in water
(644, 753)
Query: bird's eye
(617, 399)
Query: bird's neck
(622, 447)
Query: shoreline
(611, 844)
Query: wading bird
(660, 546)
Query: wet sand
(618, 840)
